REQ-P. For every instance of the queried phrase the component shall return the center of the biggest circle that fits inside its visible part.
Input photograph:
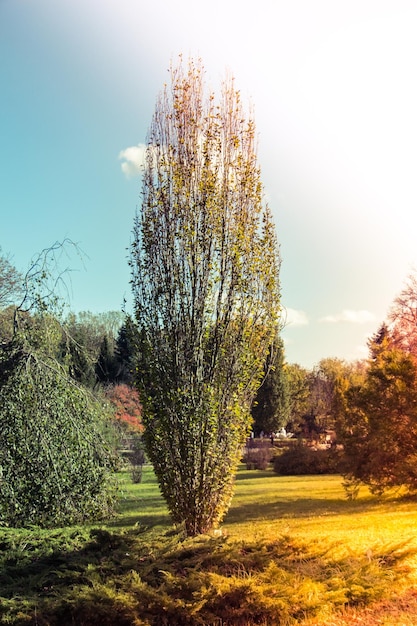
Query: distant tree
(403, 317)
(75, 353)
(298, 393)
(322, 381)
(270, 408)
(127, 406)
(107, 367)
(125, 350)
(11, 282)
(380, 426)
(110, 322)
(352, 375)
(205, 282)
(327, 383)
(89, 344)
(380, 342)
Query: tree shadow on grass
(297, 508)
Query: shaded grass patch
(131, 577)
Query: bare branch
(45, 281)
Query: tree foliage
(56, 457)
(126, 350)
(205, 282)
(11, 282)
(380, 425)
(328, 383)
(317, 397)
(270, 409)
(403, 317)
(298, 392)
(107, 367)
(127, 405)
(6, 324)
(90, 345)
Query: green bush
(302, 460)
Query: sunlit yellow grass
(316, 508)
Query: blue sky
(335, 98)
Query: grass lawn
(312, 508)
(315, 508)
(292, 550)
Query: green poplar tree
(205, 266)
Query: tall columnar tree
(271, 406)
(205, 266)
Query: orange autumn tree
(128, 408)
(403, 317)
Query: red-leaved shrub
(128, 408)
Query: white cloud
(133, 160)
(348, 315)
(292, 317)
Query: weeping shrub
(56, 449)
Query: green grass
(141, 504)
(264, 504)
(292, 550)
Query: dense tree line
(369, 407)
